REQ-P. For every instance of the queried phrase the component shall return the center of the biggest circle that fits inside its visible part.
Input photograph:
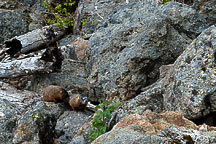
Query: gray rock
(37, 123)
(167, 127)
(72, 76)
(133, 41)
(8, 4)
(8, 117)
(69, 124)
(95, 11)
(189, 86)
(12, 23)
(192, 86)
(28, 3)
(207, 9)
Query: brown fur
(54, 93)
(76, 102)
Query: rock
(95, 11)
(72, 76)
(188, 87)
(28, 3)
(9, 114)
(167, 127)
(12, 23)
(37, 123)
(164, 70)
(191, 83)
(207, 9)
(132, 42)
(69, 124)
(17, 97)
(8, 4)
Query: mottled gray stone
(69, 124)
(72, 76)
(12, 23)
(37, 124)
(207, 9)
(133, 41)
(189, 86)
(8, 117)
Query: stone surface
(8, 4)
(132, 42)
(72, 76)
(37, 123)
(69, 124)
(207, 9)
(168, 127)
(9, 113)
(188, 87)
(12, 23)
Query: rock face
(133, 41)
(8, 30)
(69, 124)
(189, 86)
(168, 127)
(207, 9)
(95, 11)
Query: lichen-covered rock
(37, 124)
(95, 11)
(9, 113)
(132, 42)
(12, 23)
(207, 9)
(189, 86)
(28, 3)
(8, 4)
(167, 127)
(69, 124)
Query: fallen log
(32, 41)
(49, 61)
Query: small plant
(165, 1)
(100, 121)
(60, 14)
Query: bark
(49, 61)
(32, 41)
(77, 19)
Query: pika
(78, 101)
(54, 93)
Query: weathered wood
(77, 19)
(23, 67)
(34, 40)
(49, 61)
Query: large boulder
(133, 41)
(188, 87)
(69, 123)
(150, 127)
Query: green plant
(61, 14)
(100, 121)
(165, 1)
